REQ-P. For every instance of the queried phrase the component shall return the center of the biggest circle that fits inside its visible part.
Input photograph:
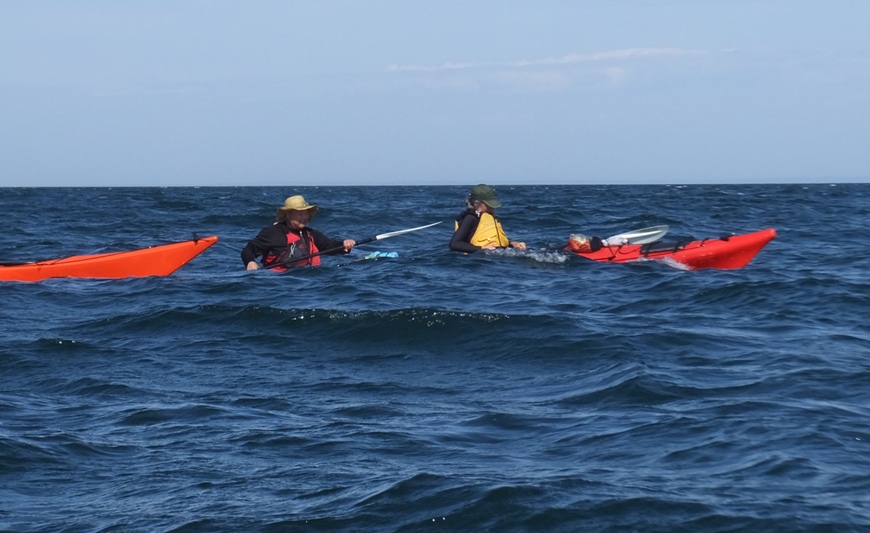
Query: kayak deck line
(160, 260)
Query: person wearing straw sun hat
(291, 237)
(477, 228)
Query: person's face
(298, 219)
(482, 207)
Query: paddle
(638, 236)
(380, 237)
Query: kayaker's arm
(269, 238)
(248, 254)
(459, 241)
(325, 243)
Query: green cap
(486, 194)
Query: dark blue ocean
(435, 391)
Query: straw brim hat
(295, 203)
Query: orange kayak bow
(155, 261)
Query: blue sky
(180, 92)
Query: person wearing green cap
(291, 237)
(477, 228)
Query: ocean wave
(507, 391)
(408, 323)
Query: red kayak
(729, 252)
(155, 261)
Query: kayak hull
(160, 260)
(731, 252)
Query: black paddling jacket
(272, 241)
(466, 223)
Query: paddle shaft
(309, 256)
(362, 241)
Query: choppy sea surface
(436, 391)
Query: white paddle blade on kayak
(403, 231)
(639, 236)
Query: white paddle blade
(403, 231)
(639, 236)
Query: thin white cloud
(533, 80)
(568, 59)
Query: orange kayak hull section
(731, 252)
(160, 260)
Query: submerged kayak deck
(160, 260)
(729, 252)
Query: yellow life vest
(489, 231)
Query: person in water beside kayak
(477, 228)
(291, 237)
